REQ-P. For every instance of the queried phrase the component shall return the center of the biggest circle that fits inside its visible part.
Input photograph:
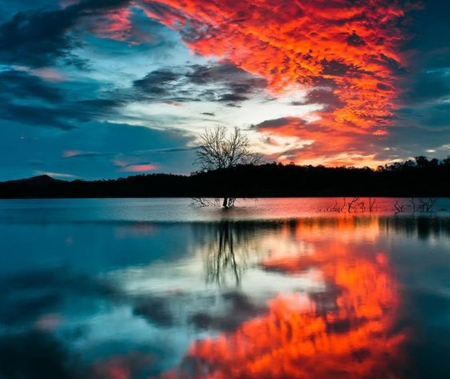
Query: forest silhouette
(421, 177)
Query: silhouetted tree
(422, 161)
(223, 149)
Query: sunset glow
(347, 56)
(334, 83)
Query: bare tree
(222, 149)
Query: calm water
(279, 288)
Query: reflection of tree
(222, 257)
(228, 248)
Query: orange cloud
(350, 49)
(332, 146)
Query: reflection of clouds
(122, 366)
(33, 296)
(227, 249)
(239, 308)
(346, 329)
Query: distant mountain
(41, 186)
(269, 180)
(41, 180)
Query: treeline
(418, 178)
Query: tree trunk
(225, 202)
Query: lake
(274, 288)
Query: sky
(94, 89)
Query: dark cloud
(325, 97)
(161, 10)
(160, 83)
(64, 116)
(36, 116)
(26, 86)
(28, 99)
(138, 163)
(169, 150)
(423, 117)
(338, 68)
(217, 82)
(225, 73)
(390, 63)
(89, 154)
(40, 38)
(355, 40)
(430, 84)
(232, 98)
(273, 123)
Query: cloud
(36, 116)
(164, 151)
(84, 154)
(31, 100)
(348, 56)
(139, 167)
(356, 48)
(41, 38)
(315, 143)
(27, 86)
(29, 295)
(352, 61)
(215, 82)
(55, 174)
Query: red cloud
(350, 48)
(114, 24)
(139, 168)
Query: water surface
(276, 288)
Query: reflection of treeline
(421, 227)
(419, 178)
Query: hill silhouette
(419, 178)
